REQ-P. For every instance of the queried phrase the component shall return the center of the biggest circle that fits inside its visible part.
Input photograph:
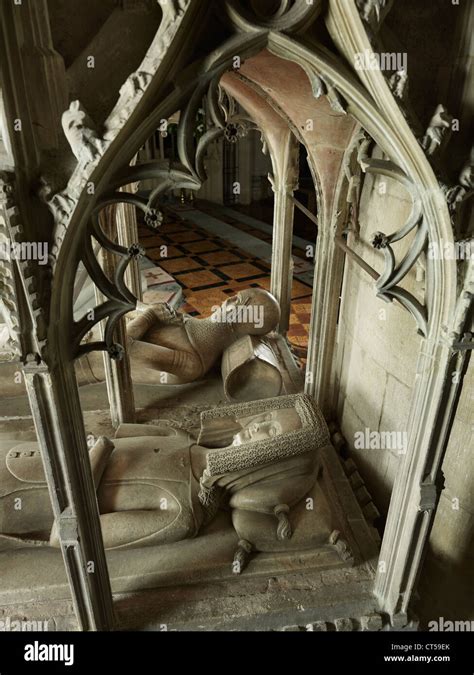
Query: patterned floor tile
(157, 253)
(243, 271)
(188, 236)
(184, 264)
(173, 228)
(299, 340)
(196, 280)
(203, 247)
(220, 257)
(209, 270)
(300, 290)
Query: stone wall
(375, 370)
(97, 83)
(377, 342)
(447, 579)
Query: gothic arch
(373, 106)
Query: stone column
(245, 167)
(56, 411)
(34, 82)
(34, 91)
(213, 187)
(328, 274)
(118, 375)
(127, 233)
(419, 481)
(284, 183)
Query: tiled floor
(209, 269)
(225, 214)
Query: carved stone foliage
(21, 304)
(459, 334)
(9, 314)
(353, 172)
(137, 83)
(323, 86)
(373, 13)
(466, 177)
(61, 205)
(459, 200)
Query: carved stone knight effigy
(158, 485)
(162, 340)
(187, 347)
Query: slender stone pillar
(419, 480)
(328, 272)
(56, 409)
(127, 232)
(284, 182)
(118, 374)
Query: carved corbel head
(398, 83)
(466, 177)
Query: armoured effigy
(185, 348)
(258, 459)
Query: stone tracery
(77, 220)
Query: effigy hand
(151, 316)
(161, 311)
(165, 313)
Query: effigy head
(252, 311)
(267, 425)
(271, 430)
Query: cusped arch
(329, 78)
(325, 74)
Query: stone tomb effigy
(253, 511)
